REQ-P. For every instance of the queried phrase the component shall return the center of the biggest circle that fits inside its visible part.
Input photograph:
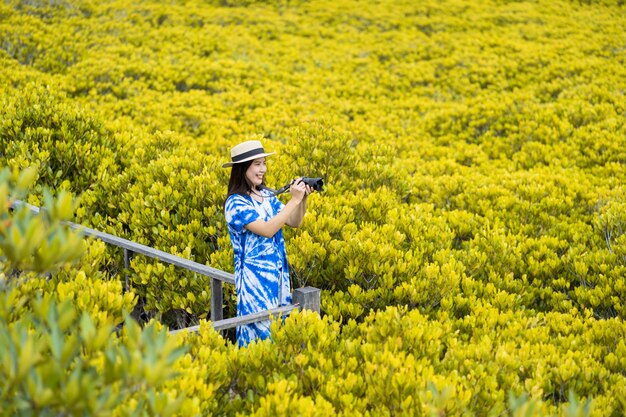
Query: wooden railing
(303, 298)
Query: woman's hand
(299, 190)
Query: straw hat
(246, 151)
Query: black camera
(316, 183)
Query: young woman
(255, 219)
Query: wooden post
(128, 255)
(217, 300)
(308, 298)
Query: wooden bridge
(303, 298)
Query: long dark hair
(238, 183)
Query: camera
(316, 183)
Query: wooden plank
(146, 250)
(241, 320)
(158, 254)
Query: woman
(255, 219)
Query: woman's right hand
(298, 190)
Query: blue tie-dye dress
(261, 269)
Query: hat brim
(261, 155)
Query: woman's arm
(291, 214)
(295, 219)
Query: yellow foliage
(470, 240)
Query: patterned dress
(261, 269)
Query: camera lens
(316, 183)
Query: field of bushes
(470, 242)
